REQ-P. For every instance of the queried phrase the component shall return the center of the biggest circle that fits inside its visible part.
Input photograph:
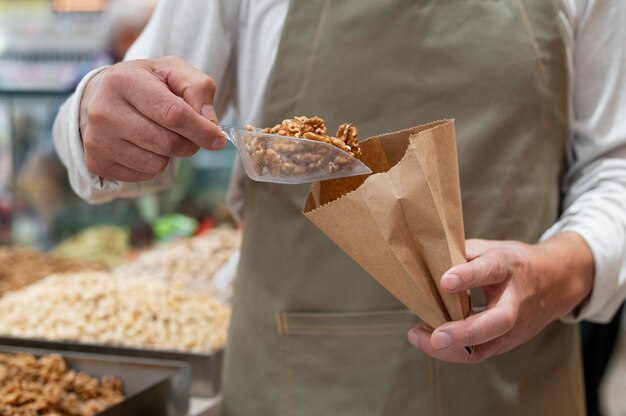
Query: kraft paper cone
(403, 223)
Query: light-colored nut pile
(275, 157)
(20, 267)
(186, 260)
(106, 244)
(100, 308)
(46, 386)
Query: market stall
(165, 303)
(134, 294)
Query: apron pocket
(351, 364)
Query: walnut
(288, 158)
(291, 168)
(38, 386)
(330, 140)
(348, 134)
(266, 161)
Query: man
(311, 333)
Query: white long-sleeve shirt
(236, 41)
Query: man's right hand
(137, 115)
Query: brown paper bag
(403, 224)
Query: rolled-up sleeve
(594, 185)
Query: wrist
(86, 92)
(566, 264)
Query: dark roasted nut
(20, 267)
(45, 386)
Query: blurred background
(46, 46)
(183, 238)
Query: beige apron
(312, 333)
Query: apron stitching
(347, 333)
(533, 39)
(395, 315)
(289, 378)
(285, 325)
(279, 326)
(309, 69)
(429, 365)
(283, 407)
(283, 365)
(356, 327)
(577, 381)
(438, 387)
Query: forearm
(596, 210)
(594, 184)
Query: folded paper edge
(460, 305)
(449, 300)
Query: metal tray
(206, 369)
(151, 387)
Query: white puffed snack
(99, 308)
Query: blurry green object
(148, 207)
(170, 227)
(105, 244)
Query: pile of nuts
(97, 307)
(186, 260)
(106, 244)
(20, 267)
(46, 386)
(281, 157)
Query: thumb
(194, 86)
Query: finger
(128, 155)
(194, 86)
(114, 171)
(142, 160)
(153, 99)
(420, 337)
(482, 271)
(148, 135)
(476, 329)
(123, 174)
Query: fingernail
(414, 338)
(441, 340)
(208, 112)
(218, 143)
(452, 281)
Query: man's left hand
(526, 286)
